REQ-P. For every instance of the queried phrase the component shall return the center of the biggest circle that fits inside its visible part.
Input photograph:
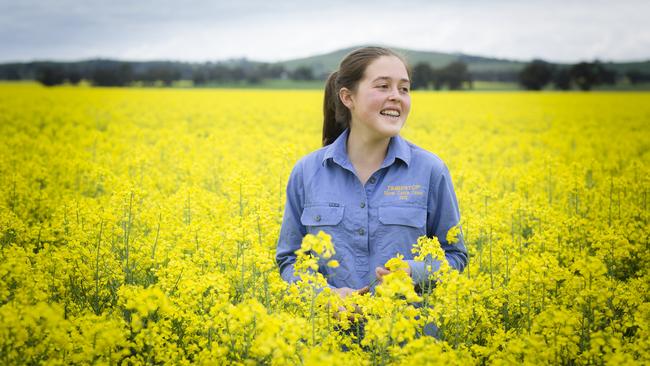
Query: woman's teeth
(390, 112)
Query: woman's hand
(380, 272)
(345, 292)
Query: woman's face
(382, 102)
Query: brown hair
(336, 116)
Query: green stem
(96, 297)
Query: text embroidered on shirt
(403, 192)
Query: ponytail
(333, 124)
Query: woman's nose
(394, 94)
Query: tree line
(539, 74)
(114, 73)
(536, 75)
(454, 76)
(119, 73)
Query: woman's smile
(390, 113)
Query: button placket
(361, 231)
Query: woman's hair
(336, 116)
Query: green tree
(584, 75)
(455, 74)
(421, 76)
(302, 73)
(50, 74)
(535, 75)
(562, 79)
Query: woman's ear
(346, 97)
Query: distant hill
(482, 68)
(328, 62)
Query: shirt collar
(398, 148)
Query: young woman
(367, 187)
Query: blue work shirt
(409, 196)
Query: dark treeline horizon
(456, 75)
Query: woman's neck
(366, 153)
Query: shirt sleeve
(443, 214)
(292, 230)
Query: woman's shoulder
(314, 157)
(311, 161)
(425, 159)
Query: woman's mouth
(390, 113)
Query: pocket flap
(403, 215)
(318, 214)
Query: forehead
(386, 66)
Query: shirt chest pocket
(317, 216)
(412, 216)
(328, 217)
(399, 228)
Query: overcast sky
(272, 30)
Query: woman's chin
(391, 129)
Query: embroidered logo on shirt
(403, 192)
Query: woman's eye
(384, 86)
(405, 90)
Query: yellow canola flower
(452, 234)
(321, 244)
(397, 263)
(397, 283)
(426, 246)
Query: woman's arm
(292, 230)
(443, 215)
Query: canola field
(138, 226)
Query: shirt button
(372, 180)
(363, 204)
(317, 218)
(362, 231)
